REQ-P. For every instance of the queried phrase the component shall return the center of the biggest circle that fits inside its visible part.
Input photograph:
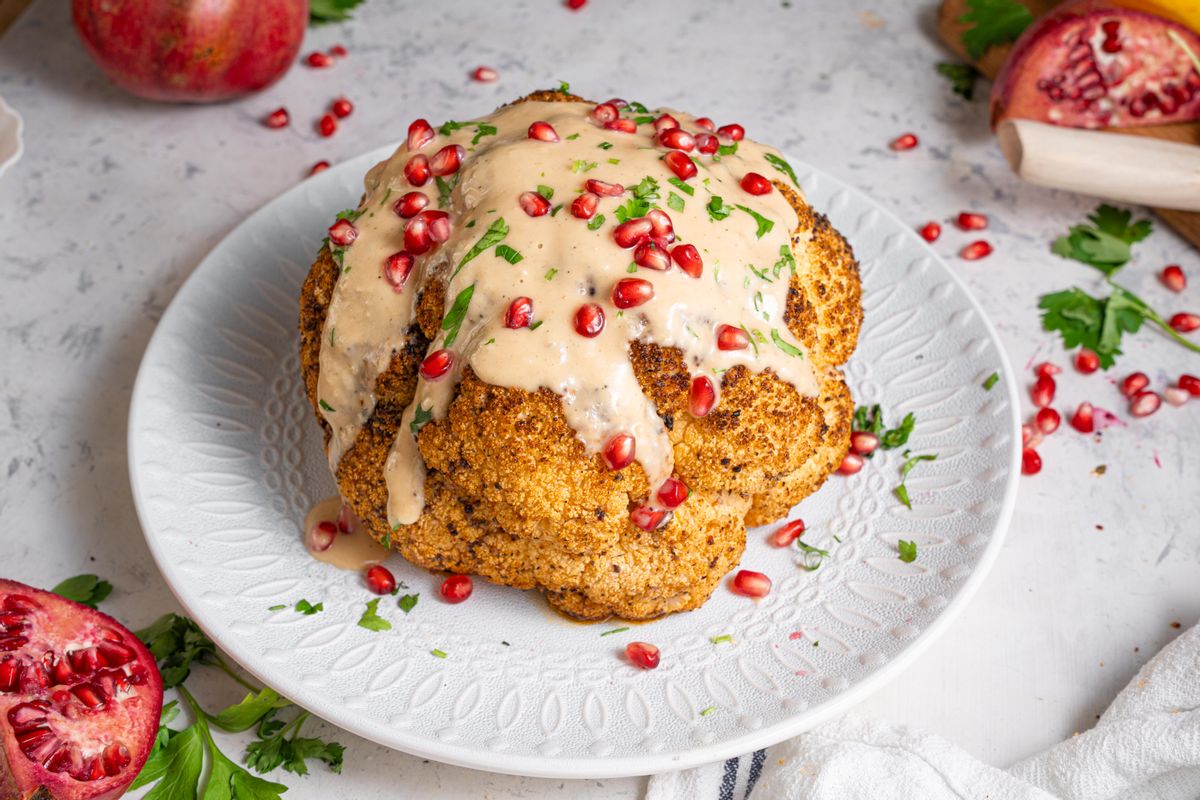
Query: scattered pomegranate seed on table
(338, 51)
(484, 75)
(851, 464)
(970, 221)
(534, 204)
(1144, 403)
(785, 534)
(318, 59)
(672, 493)
(730, 337)
(519, 313)
(976, 250)
(343, 233)
(1173, 278)
(1184, 322)
(640, 654)
(753, 183)
(1031, 462)
(863, 442)
(543, 132)
(1047, 369)
(930, 232)
(327, 125)
(456, 588)
(1086, 361)
(575, 5)
(1084, 419)
(1030, 436)
(589, 320)
(905, 141)
(701, 396)
(380, 579)
(1047, 420)
(1042, 392)
(279, 118)
(619, 452)
(320, 166)
(437, 364)
(750, 584)
(341, 107)
(1176, 395)
(1134, 383)
(1191, 383)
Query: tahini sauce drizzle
(355, 550)
(367, 319)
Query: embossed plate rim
(473, 754)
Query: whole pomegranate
(80, 699)
(1092, 64)
(192, 51)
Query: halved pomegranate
(1091, 65)
(80, 698)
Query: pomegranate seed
(589, 320)
(632, 233)
(1042, 392)
(1191, 383)
(605, 189)
(410, 204)
(784, 535)
(1134, 383)
(417, 170)
(732, 131)
(279, 118)
(320, 537)
(707, 143)
(706, 123)
(338, 51)
(584, 206)
(1176, 395)
(1030, 436)
(534, 204)
(456, 588)
(680, 164)
(851, 464)
(642, 655)
(396, 269)
(1172, 275)
(688, 259)
(754, 183)
(1144, 404)
(1086, 361)
(447, 160)
(651, 256)
(1031, 462)
(732, 338)
(661, 226)
(1185, 323)
(631, 292)
(617, 103)
(437, 364)
(318, 60)
(970, 221)
(380, 579)
(341, 108)
(575, 5)
(1047, 370)
(1084, 419)
(327, 125)
(976, 250)
(438, 223)
(863, 442)
(672, 493)
(543, 132)
(347, 520)
(320, 166)
(930, 231)
(343, 233)
(420, 133)
(622, 125)
(665, 123)
(677, 139)
(485, 74)
(619, 452)
(905, 141)
(417, 239)
(1047, 420)
(648, 518)
(604, 113)
(750, 584)
(519, 313)
(701, 396)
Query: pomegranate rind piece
(132, 720)
(1060, 72)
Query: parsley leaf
(509, 254)
(482, 130)
(323, 11)
(421, 417)
(682, 186)
(493, 236)
(611, 631)
(993, 22)
(545, 191)
(176, 642)
(809, 553)
(595, 222)
(717, 209)
(786, 260)
(901, 491)
(786, 347)
(991, 381)
(244, 715)
(898, 437)
(1105, 244)
(675, 202)
(869, 419)
(764, 225)
(783, 166)
(452, 322)
(85, 589)
(408, 602)
(961, 77)
(445, 187)
(182, 763)
(325, 406)
(371, 620)
(908, 551)
(308, 609)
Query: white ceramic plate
(225, 459)
(10, 136)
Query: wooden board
(10, 10)
(1187, 223)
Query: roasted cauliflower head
(578, 348)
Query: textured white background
(116, 201)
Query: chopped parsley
(421, 417)
(325, 406)
(638, 205)
(634, 105)
(727, 149)
(371, 620)
(614, 161)
(554, 211)
(870, 419)
(790, 349)
(564, 88)
(453, 320)
(580, 165)
(604, 145)
(991, 381)
(572, 137)
(595, 222)
(436, 653)
(276, 608)
(783, 166)
(536, 324)
(509, 254)
(493, 236)
(810, 553)
(725, 637)
(482, 129)
(350, 214)
(614, 630)
(705, 712)
(786, 260)
(764, 225)
(761, 273)
(545, 191)
(908, 551)
(993, 22)
(961, 77)
(550, 273)
(308, 609)
(682, 186)
(910, 462)
(445, 187)
(408, 602)
(675, 202)
(632, 268)
(717, 209)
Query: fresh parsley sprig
(993, 22)
(961, 78)
(870, 419)
(86, 589)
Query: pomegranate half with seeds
(1092, 65)
(80, 698)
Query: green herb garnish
(408, 602)
(89, 590)
(786, 260)
(325, 406)
(961, 77)
(371, 620)
(675, 202)
(910, 462)
(810, 553)
(595, 222)
(993, 22)
(605, 146)
(790, 349)
(323, 11)
(717, 209)
(764, 225)
(783, 166)
(445, 187)
(725, 637)
(908, 551)
(308, 609)
(682, 186)
(509, 254)
(452, 322)
(421, 417)
(493, 236)
(436, 653)
(705, 712)
(991, 381)
(614, 630)
(1106, 243)
(545, 191)
(550, 273)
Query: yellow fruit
(1185, 12)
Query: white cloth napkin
(1145, 747)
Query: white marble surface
(115, 201)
